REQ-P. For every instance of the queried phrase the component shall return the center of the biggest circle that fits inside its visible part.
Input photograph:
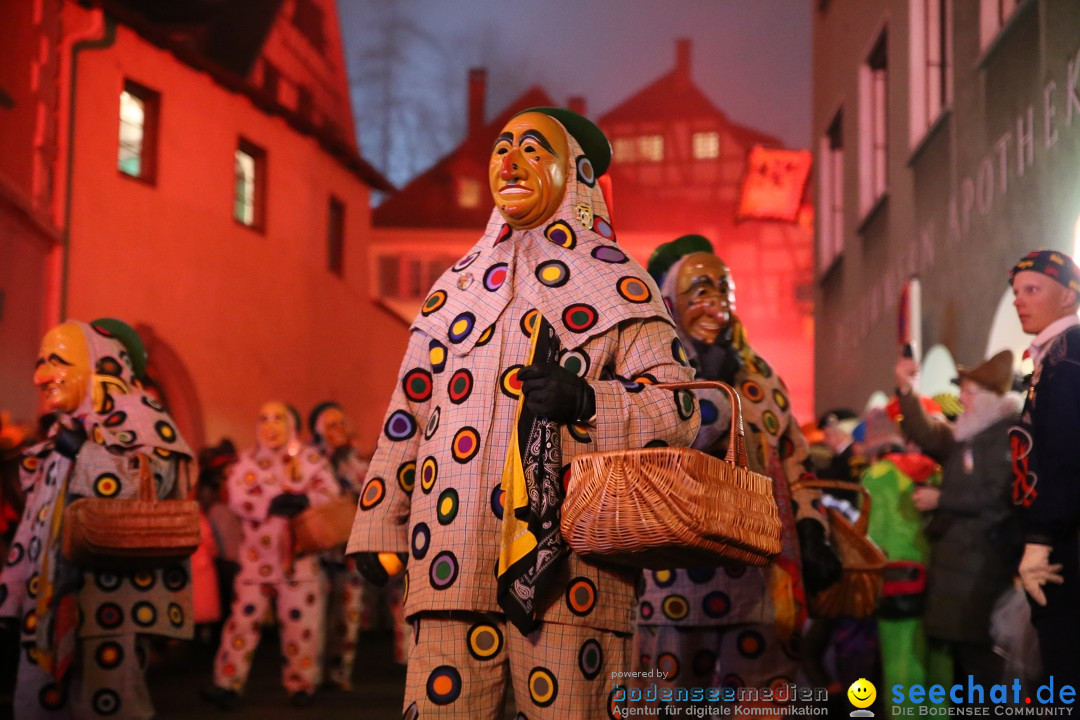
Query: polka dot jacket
(256, 478)
(433, 487)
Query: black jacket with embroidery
(1046, 446)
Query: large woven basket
(132, 533)
(855, 595)
(672, 507)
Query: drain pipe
(99, 34)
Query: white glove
(1036, 571)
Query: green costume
(897, 527)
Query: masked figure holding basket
(538, 345)
(268, 486)
(738, 626)
(80, 625)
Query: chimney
(683, 47)
(477, 91)
(576, 103)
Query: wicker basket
(325, 526)
(143, 532)
(672, 507)
(856, 594)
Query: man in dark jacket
(973, 553)
(1046, 458)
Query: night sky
(409, 59)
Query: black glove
(368, 564)
(820, 565)
(553, 392)
(69, 441)
(718, 360)
(288, 504)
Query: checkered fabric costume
(434, 485)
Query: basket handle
(736, 452)
(864, 511)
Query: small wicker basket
(856, 594)
(325, 526)
(139, 532)
(672, 507)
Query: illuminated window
(993, 14)
(136, 156)
(410, 276)
(469, 192)
(624, 150)
(873, 125)
(335, 237)
(706, 145)
(651, 148)
(930, 63)
(831, 171)
(250, 186)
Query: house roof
(162, 33)
(673, 94)
(430, 199)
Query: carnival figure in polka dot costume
(542, 342)
(79, 656)
(734, 627)
(268, 485)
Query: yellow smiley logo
(862, 693)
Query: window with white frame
(706, 145)
(249, 167)
(873, 124)
(410, 275)
(651, 148)
(624, 149)
(831, 173)
(993, 14)
(931, 64)
(137, 148)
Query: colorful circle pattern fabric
(417, 385)
(437, 356)
(443, 685)
(590, 659)
(466, 444)
(429, 473)
(716, 604)
(447, 507)
(579, 318)
(467, 260)
(406, 477)
(509, 383)
(495, 276)
(444, 570)
(585, 171)
(610, 254)
(560, 233)
(675, 608)
(433, 303)
(400, 426)
(485, 641)
(421, 540)
(581, 596)
(543, 687)
(576, 361)
(553, 273)
(633, 289)
(460, 386)
(461, 327)
(374, 492)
